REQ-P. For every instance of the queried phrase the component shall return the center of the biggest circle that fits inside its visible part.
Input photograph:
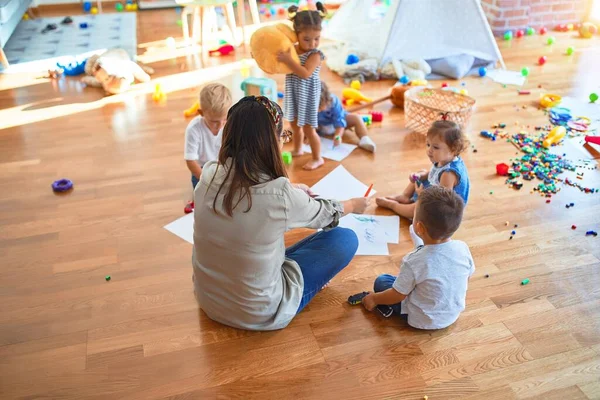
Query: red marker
(369, 190)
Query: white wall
(36, 3)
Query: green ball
(119, 7)
(525, 71)
(508, 35)
(530, 31)
(570, 50)
(179, 22)
(222, 42)
(551, 40)
(593, 97)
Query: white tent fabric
(415, 29)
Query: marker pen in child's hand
(369, 190)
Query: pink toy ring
(62, 185)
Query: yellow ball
(587, 30)
(570, 27)
(25, 17)
(94, 10)
(355, 85)
(134, 7)
(129, 7)
(464, 92)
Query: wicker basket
(423, 106)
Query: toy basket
(423, 106)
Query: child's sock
(367, 144)
(416, 240)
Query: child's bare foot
(401, 198)
(314, 164)
(297, 153)
(386, 202)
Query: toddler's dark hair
(325, 95)
(451, 134)
(440, 210)
(307, 19)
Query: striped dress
(302, 95)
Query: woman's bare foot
(297, 153)
(314, 164)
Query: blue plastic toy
(352, 59)
(83, 25)
(280, 95)
(404, 80)
(74, 68)
(482, 71)
(87, 6)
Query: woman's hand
(305, 189)
(359, 205)
(369, 302)
(285, 56)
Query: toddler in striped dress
(303, 85)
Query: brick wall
(518, 14)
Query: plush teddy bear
(114, 71)
(267, 41)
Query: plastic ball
(593, 97)
(268, 14)
(570, 50)
(587, 30)
(508, 35)
(94, 10)
(404, 80)
(570, 27)
(445, 84)
(87, 6)
(281, 11)
(179, 22)
(464, 92)
(355, 85)
(525, 71)
(119, 7)
(551, 40)
(530, 31)
(542, 60)
(543, 30)
(170, 42)
(520, 33)
(482, 71)
(129, 7)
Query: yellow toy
(419, 82)
(355, 96)
(355, 85)
(267, 41)
(554, 136)
(193, 110)
(94, 10)
(550, 100)
(587, 30)
(158, 94)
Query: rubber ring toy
(62, 185)
(550, 100)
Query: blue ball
(352, 59)
(482, 71)
(280, 95)
(87, 6)
(404, 80)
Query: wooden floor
(67, 333)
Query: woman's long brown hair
(251, 139)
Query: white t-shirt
(200, 143)
(435, 278)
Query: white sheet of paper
(506, 77)
(372, 239)
(183, 227)
(387, 227)
(340, 185)
(328, 151)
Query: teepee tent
(414, 29)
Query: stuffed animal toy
(114, 71)
(267, 41)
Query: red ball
(445, 84)
(573, 227)
(542, 60)
(520, 33)
(543, 30)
